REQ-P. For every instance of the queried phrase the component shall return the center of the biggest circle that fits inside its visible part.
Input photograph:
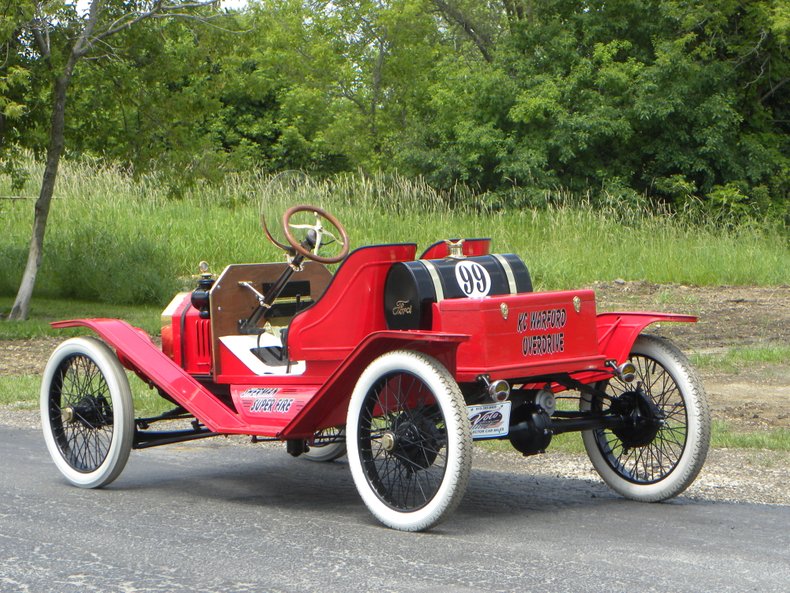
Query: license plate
(489, 420)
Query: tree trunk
(54, 151)
(86, 40)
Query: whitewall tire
(86, 412)
(409, 440)
(670, 462)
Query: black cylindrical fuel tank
(411, 287)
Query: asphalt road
(214, 516)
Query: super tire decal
(272, 402)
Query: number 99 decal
(473, 279)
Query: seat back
(350, 308)
(231, 301)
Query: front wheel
(655, 459)
(86, 412)
(409, 440)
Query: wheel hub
(67, 415)
(415, 439)
(92, 412)
(388, 441)
(642, 419)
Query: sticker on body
(489, 420)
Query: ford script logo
(402, 308)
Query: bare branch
(158, 10)
(179, 15)
(41, 42)
(82, 45)
(774, 88)
(346, 93)
(109, 48)
(40, 31)
(742, 59)
(107, 56)
(120, 22)
(757, 78)
(453, 14)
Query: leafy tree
(14, 86)
(55, 37)
(671, 98)
(684, 101)
(194, 103)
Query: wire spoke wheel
(664, 443)
(86, 412)
(327, 445)
(409, 440)
(404, 450)
(651, 462)
(81, 413)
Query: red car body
(345, 329)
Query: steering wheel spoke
(334, 239)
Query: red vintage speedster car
(401, 362)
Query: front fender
(617, 332)
(115, 332)
(138, 353)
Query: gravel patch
(732, 475)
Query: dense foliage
(685, 102)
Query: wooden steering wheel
(315, 234)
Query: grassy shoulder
(21, 392)
(44, 311)
(731, 360)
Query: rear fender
(617, 332)
(138, 353)
(329, 406)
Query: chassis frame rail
(144, 438)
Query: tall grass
(115, 238)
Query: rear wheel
(409, 440)
(655, 458)
(328, 444)
(86, 412)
